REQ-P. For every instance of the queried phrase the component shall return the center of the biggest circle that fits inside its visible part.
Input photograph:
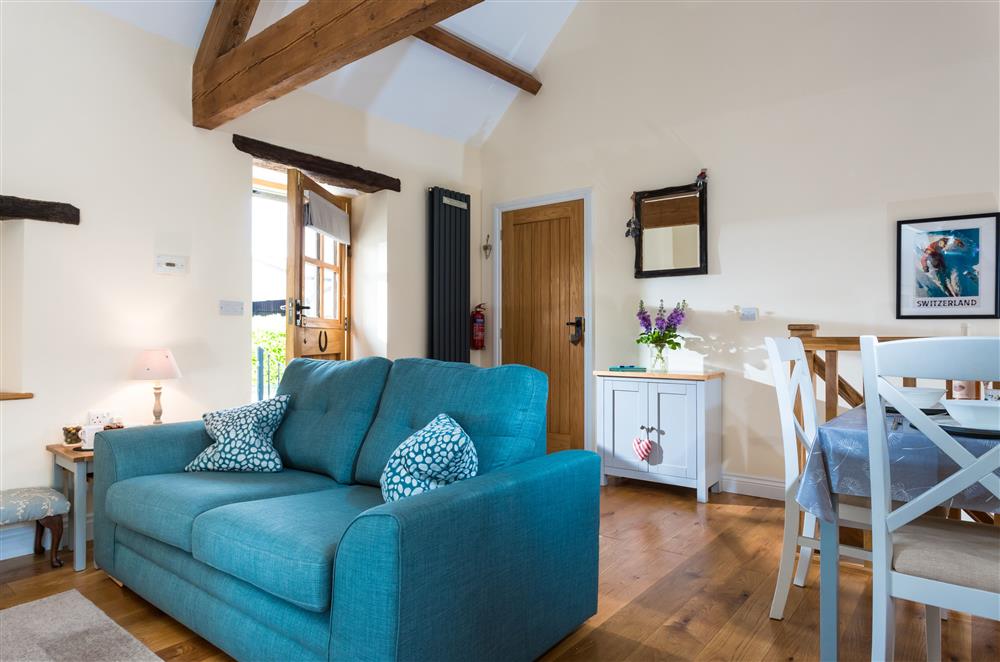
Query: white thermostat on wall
(171, 264)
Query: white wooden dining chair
(942, 563)
(791, 375)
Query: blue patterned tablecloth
(838, 463)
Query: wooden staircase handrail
(841, 343)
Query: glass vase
(657, 358)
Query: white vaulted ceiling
(410, 82)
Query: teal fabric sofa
(310, 564)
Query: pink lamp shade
(156, 364)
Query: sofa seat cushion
(164, 506)
(502, 409)
(286, 545)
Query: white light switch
(748, 314)
(231, 308)
(171, 264)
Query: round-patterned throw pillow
(243, 438)
(439, 454)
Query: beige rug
(66, 626)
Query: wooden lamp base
(157, 409)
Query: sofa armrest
(139, 451)
(148, 450)
(501, 566)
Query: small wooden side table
(68, 459)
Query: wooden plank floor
(679, 581)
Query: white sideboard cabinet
(680, 414)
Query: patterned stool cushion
(432, 457)
(25, 504)
(243, 438)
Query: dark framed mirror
(670, 229)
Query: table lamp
(155, 365)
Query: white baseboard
(19, 539)
(757, 486)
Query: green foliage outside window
(273, 343)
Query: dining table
(837, 465)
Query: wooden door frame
(585, 195)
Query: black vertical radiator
(448, 270)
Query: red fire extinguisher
(479, 327)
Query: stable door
(318, 305)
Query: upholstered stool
(43, 505)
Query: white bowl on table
(922, 397)
(975, 414)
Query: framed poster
(947, 267)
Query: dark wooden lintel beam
(477, 57)
(12, 208)
(323, 170)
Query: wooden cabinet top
(682, 376)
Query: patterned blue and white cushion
(439, 454)
(243, 438)
(22, 504)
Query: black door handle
(577, 335)
(293, 311)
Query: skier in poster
(933, 264)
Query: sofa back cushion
(502, 409)
(333, 404)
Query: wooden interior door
(542, 308)
(317, 305)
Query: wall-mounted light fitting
(487, 248)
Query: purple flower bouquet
(661, 332)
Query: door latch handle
(577, 335)
(293, 311)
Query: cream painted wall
(11, 287)
(370, 255)
(820, 124)
(96, 112)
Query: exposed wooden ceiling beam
(227, 28)
(477, 57)
(315, 39)
(320, 169)
(12, 208)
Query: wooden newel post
(830, 381)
